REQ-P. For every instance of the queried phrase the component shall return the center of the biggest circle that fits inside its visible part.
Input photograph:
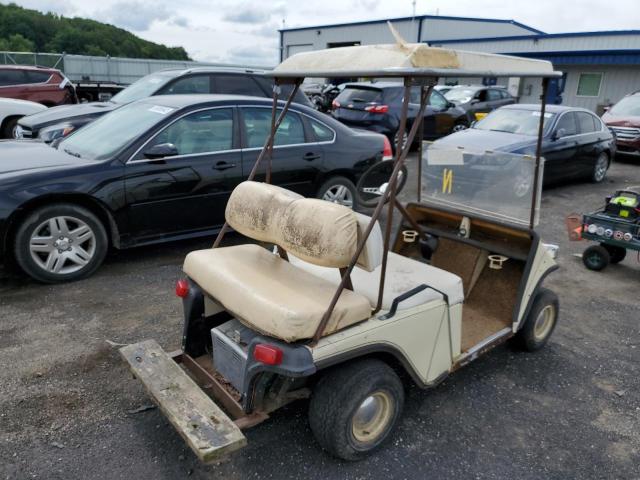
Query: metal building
(600, 67)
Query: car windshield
(462, 95)
(628, 106)
(102, 139)
(143, 88)
(512, 120)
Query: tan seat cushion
(403, 274)
(270, 294)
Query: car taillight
(182, 288)
(335, 104)
(377, 108)
(387, 153)
(267, 354)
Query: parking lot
(70, 409)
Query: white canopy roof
(408, 59)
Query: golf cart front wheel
(354, 408)
(596, 258)
(540, 322)
(616, 253)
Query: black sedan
(161, 169)
(575, 144)
(377, 107)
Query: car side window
(236, 85)
(37, 77)
(322, 132)
(188, 85)
(567, 123)
(438, 101)
(257, 125)
(414, 97)
(504, 94)
(481, 96)
(586, 122)
(11, 77)
(494, 95)
(200, 132)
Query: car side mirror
(161, 150)
(474, 101)
(451, 105)
(561, 132)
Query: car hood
(22, 105)
(620, 120)
(476, 139)
(19, 157)
(67, 112)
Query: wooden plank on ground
(205, 427)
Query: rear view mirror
(161, 150)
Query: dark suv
(377, 106)
(479, 99)
(47, 86)
(60, 122)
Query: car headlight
(53, 132)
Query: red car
(624, 119)
(47, 86)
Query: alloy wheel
(62, 245)
(339, 194)
(602, 165)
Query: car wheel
(540, 322)
(600, 168)
(522, 182)
(338, 190)
(400, 140)
(60, 243)
(596, 258)
(10, 128)
(616, 254)
(458, 127)
(355, 407)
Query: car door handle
(223, 166)
(311, 156)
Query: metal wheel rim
(339, 194)
(62, 245)
(405, 138)
(544, 322)
(522, 184)
(14, 131)
(458, 128)
(372, 417)
(601, 168)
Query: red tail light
(377, 108)
(335, 104)
(387, 153)
(182, 288)
(267, 354)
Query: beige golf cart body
(316, 297)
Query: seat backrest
(317, 231)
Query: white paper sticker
(438, 156)
(160, 109)
(537, 114)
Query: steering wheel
(375, 181)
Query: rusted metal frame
(421, 138)
(219, 392)
(415, 225)
(282, 253)
(274, 108)
(374, 217)
(400, 152)
(270, 139)
(534, 197)
(349, 284)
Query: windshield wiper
(75, 154)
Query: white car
(11, 110)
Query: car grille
(626, 133)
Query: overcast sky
(246, 31)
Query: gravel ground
(569, 411)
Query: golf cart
(334, 310)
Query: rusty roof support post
(398, 162)
(534, 197)
(400, 151)
(268, 142)
(421, 140)
(276, 92)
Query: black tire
(331, 191)
(94, 248)
(600, 168)
(459, 126)
(337, 397)
(596, 258)
(616, 254)
(534, 335)
(9, 127)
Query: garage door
(293, 49)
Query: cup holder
(496, 261)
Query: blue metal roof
(417, 17)
(541, 36)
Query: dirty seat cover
(271, 295)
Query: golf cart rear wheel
(596, 258)
(540, 322)
(355, 407)
(616, 253)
